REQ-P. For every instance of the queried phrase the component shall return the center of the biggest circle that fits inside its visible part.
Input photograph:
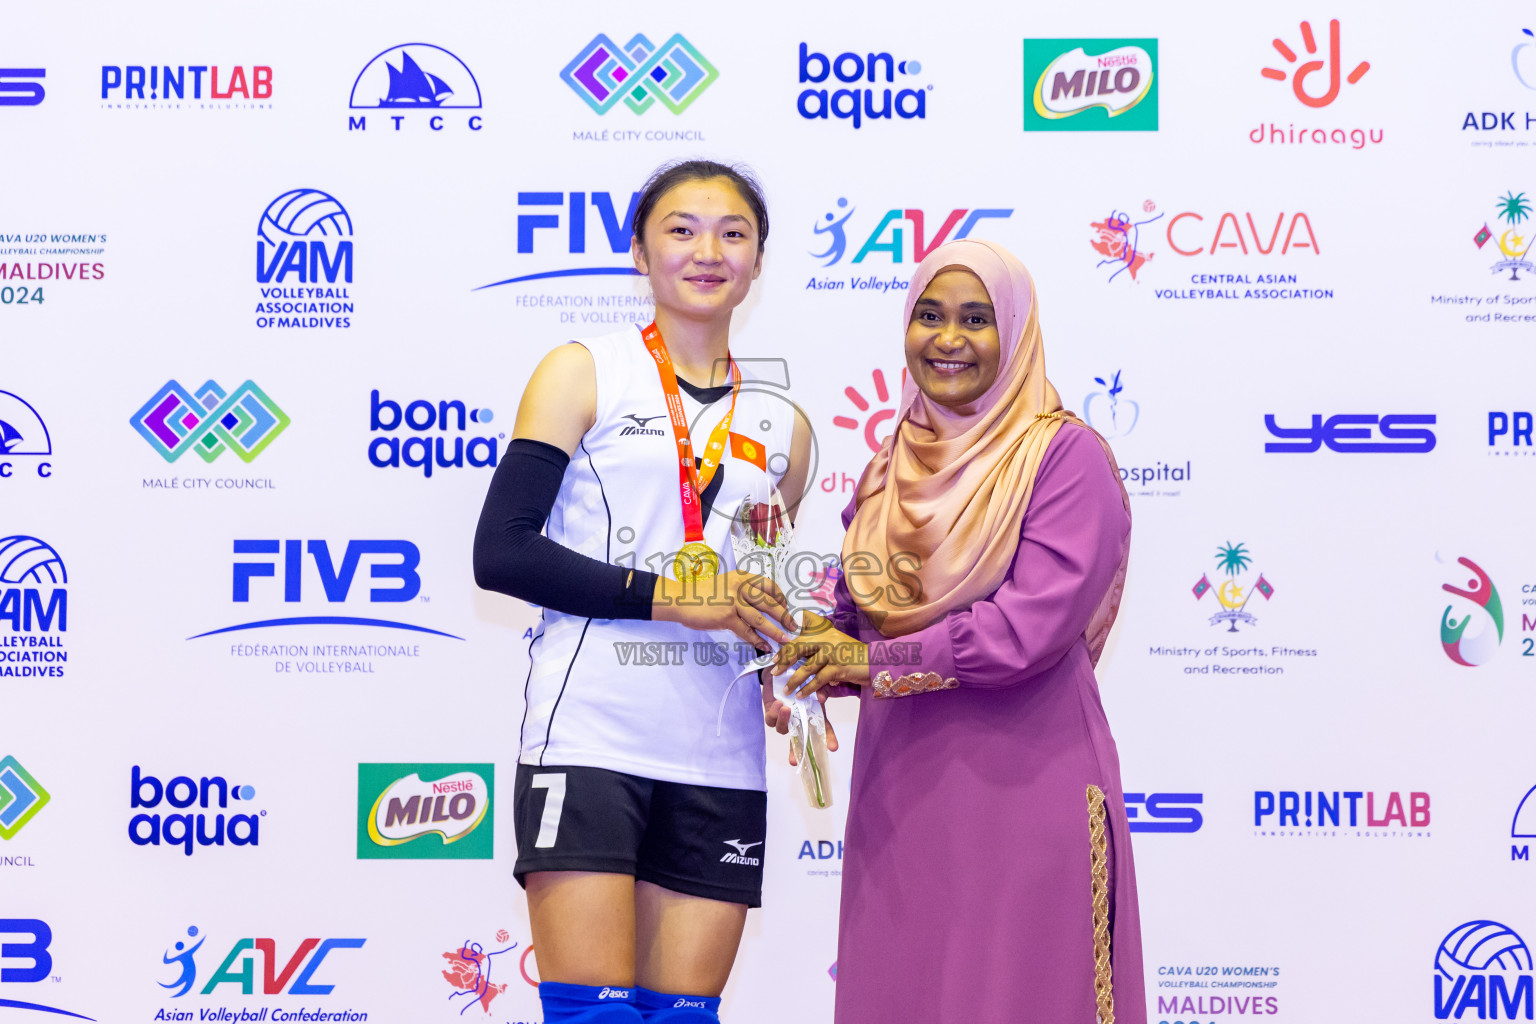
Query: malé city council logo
(1480, 603)
(1233, 559)
(1090, 85)
(21, 797)
(210, 422)
(673, 74)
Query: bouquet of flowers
(762, 539)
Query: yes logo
(1475, 638)
(425, 811)
(1164, 812)
(16, 89)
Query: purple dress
(967, 886)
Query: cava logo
(1474, 638)
(304, 241)
(415, 77)
(23, 437)
(1090, 85)
(1483, 971)
(422, 811)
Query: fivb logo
(36, 963)
(1483, 971)
(275, 976)
(21, 797)
(402, 806)
(23, 434)
(209, 422)
(673, 74)
(148, 793)
(551, 211)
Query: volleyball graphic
(303, 212)
(1482, 946)
(29, 560)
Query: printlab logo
(1089, 85)
(469, 971)
(673, 74)
(862, 74)
(1233, 560)
(295, 976)
(390, 560)
(1300, 74)
(34, 604)
(425, 811)
(1513, 209)
(415, 77)
(165, 86)
(195, 812)
(1483, 970)
(210, 422)
(428, 445)
(21, 797)
(1107, 412)
(1164, 812)
(1514, 428)
(1473, 639)
(1350, 433)
(1352, 809)
(23, 437)
(34, 949)
(304, 238)
(876, 419)
(17, 88)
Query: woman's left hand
(829, 654)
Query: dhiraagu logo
(425, 811)
(1090, 85)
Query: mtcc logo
(1107, 412)
(1301, 73)
(1475, 638)
(415, 77)
(674, 74)
(1483, 971)
(1090, 85)
(21, 797)
(22, 433)
(209, 422)
(278, 970)
(1233, 559)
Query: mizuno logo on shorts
(740, 856)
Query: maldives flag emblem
(1263, 587)
(1201, 587)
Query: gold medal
(696, 561)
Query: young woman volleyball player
(640, 799)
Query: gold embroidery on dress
(1098, 857)
(909, 684)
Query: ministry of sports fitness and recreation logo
(416, 86)
(1513, 210)
(210, 421)
(1482, 971)
(21, 797)
(25, 445)
(1087, 85)
(304, 262)
(472, 970)
(641, 74)
(1474, 638)
(1233, 561)
(887, 243)
(426, 811)
(1316, 76)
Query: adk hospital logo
(304, 262)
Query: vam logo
(17, 88)
(1482, 971)
(304, 237)
(295, 977)
(673, 74)
(209, 422)
(23, 435)
(415, 77)
(424, 451)
(34, 604)
(863, 75)
(147, 793)
(1475, 638)
(402, 807)
(21, 797)
(1090, 85)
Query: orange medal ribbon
(696, 560)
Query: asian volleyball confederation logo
(1475, 637)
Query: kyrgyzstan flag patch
(748, 450)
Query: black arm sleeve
(512, 555)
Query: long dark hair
(669, 175)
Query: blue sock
(587, 1004)
(661, 1008)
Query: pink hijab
(946, 494)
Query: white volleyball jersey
(644, 697)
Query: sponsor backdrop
(271, 283)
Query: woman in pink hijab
(987, 873)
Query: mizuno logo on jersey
(740, 856)
(640, 426)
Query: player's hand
(743, 603)
(777, 715)
(827, 656)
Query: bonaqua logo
(436, 435)
(1464, 644)
(304, 237)
(1233, 560)
(862, 98)
(189, 828)
(210, 422)
(673, 74)
(1515, 247)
